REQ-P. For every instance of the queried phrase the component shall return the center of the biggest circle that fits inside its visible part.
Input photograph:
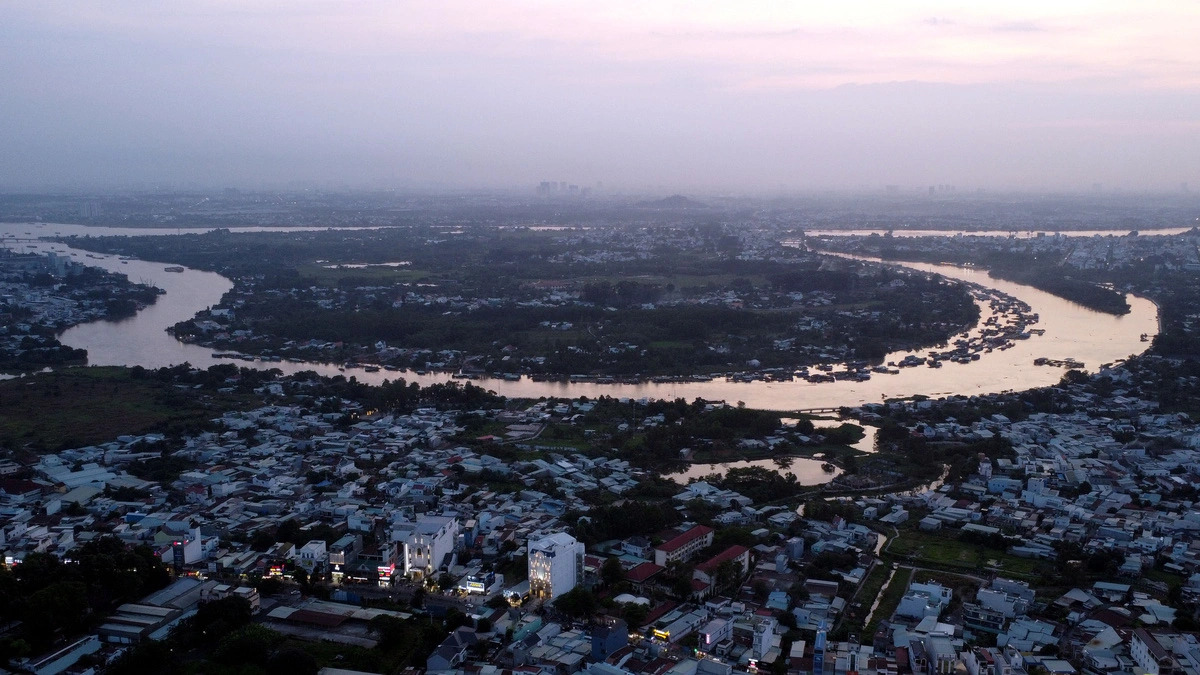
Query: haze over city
(729, 96)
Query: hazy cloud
(464, 93)
(1018, 27)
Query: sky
(735, 96)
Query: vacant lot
(83, 406)
(943, 549)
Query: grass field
(944, 549)
(83, 406)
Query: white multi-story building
(683, 546)
(1150, 655)
(924, 600)
(714, 633)
(313, 554)
(426, 544)
(555, 565)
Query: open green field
(83, 406)
(945, 550)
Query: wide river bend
(1071, 331)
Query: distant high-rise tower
(90, 209)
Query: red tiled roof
(18, 486)
(679, 541)
(643, 572)
(657, 612)
(616, 656)
(728, 554)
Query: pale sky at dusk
(691, 95)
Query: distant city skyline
(683, 96)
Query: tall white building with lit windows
(555, 565)
(426, 545)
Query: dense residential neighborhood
(239, 518)
(1073, 552)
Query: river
(1072, 331)
(1016, 234)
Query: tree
(147, 657)
(215, 620)
(727, 575)
(635, 614)
(289, 531)
(681, 583)
(611, 572)
(61, 605)
(577, 603)
(249, 644)
(271, 586)
(291, 660)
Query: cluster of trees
(1024, 266)
(996, 540)
(917, 458)
(759, 484)
(686, 425)
(623, 520)
(1178, 298)
(1055, 282)
(40, 354)
(220, 638)
(669, 339)
(53, 598)
(621, 294)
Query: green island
(622, 302)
